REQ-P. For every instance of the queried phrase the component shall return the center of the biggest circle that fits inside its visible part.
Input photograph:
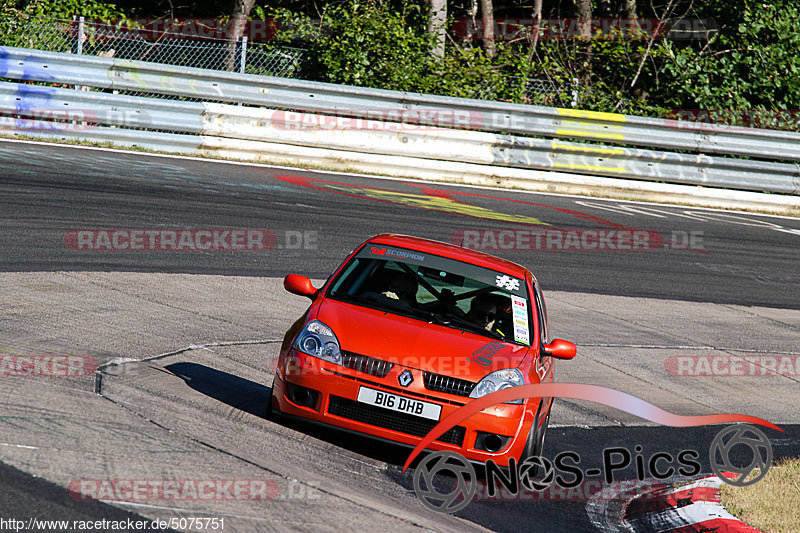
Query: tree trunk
(630, 9)
(437, 26)
(585, 23)
(537, 22)
(472, 11)
(585, 18)
(630, 14)
(487, 14)
(241, 10)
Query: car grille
(366, 364)
(384, 418)
(440, 383)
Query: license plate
(401, 404)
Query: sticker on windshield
(507, 282)
(520, 315)
(394, 252)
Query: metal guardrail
(427, 141)
(38, 105)
(34, 65)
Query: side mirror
(299, 285)
(561, 349)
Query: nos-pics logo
(425, 482)
(446, 481)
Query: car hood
(416, 343)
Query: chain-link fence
(545, 92)
(120, 41)
(549, 93)
(125, 40)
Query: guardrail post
(81, 36)
(79, 44)
(243, 58)
(574, 92)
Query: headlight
(499, 380)
(318, 340)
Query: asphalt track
(704, 260)
(50, 190)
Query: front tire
(535, 443)
(268, 413)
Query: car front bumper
(326, 393)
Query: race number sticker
(519, 312)
(507, 282)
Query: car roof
(452, 251)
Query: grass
(771, 504)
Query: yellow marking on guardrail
(591, 115)
(589, 148)
(596, 168)
(579, 123)
(593, 134)
(166, 81)
(130, 70)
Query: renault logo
(405, 378)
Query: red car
(406, 331)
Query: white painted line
(24, 446)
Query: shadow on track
(26, 497)
(240, 393)
(252, 397)
(559, 511)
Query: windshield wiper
(379, 306)
(449, 318)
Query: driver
(401, 287)
(483, 311)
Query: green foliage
(370, 43)
(753, 63)
(362, 43)
(63, 9)
(23, 23)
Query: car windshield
(437, 289)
